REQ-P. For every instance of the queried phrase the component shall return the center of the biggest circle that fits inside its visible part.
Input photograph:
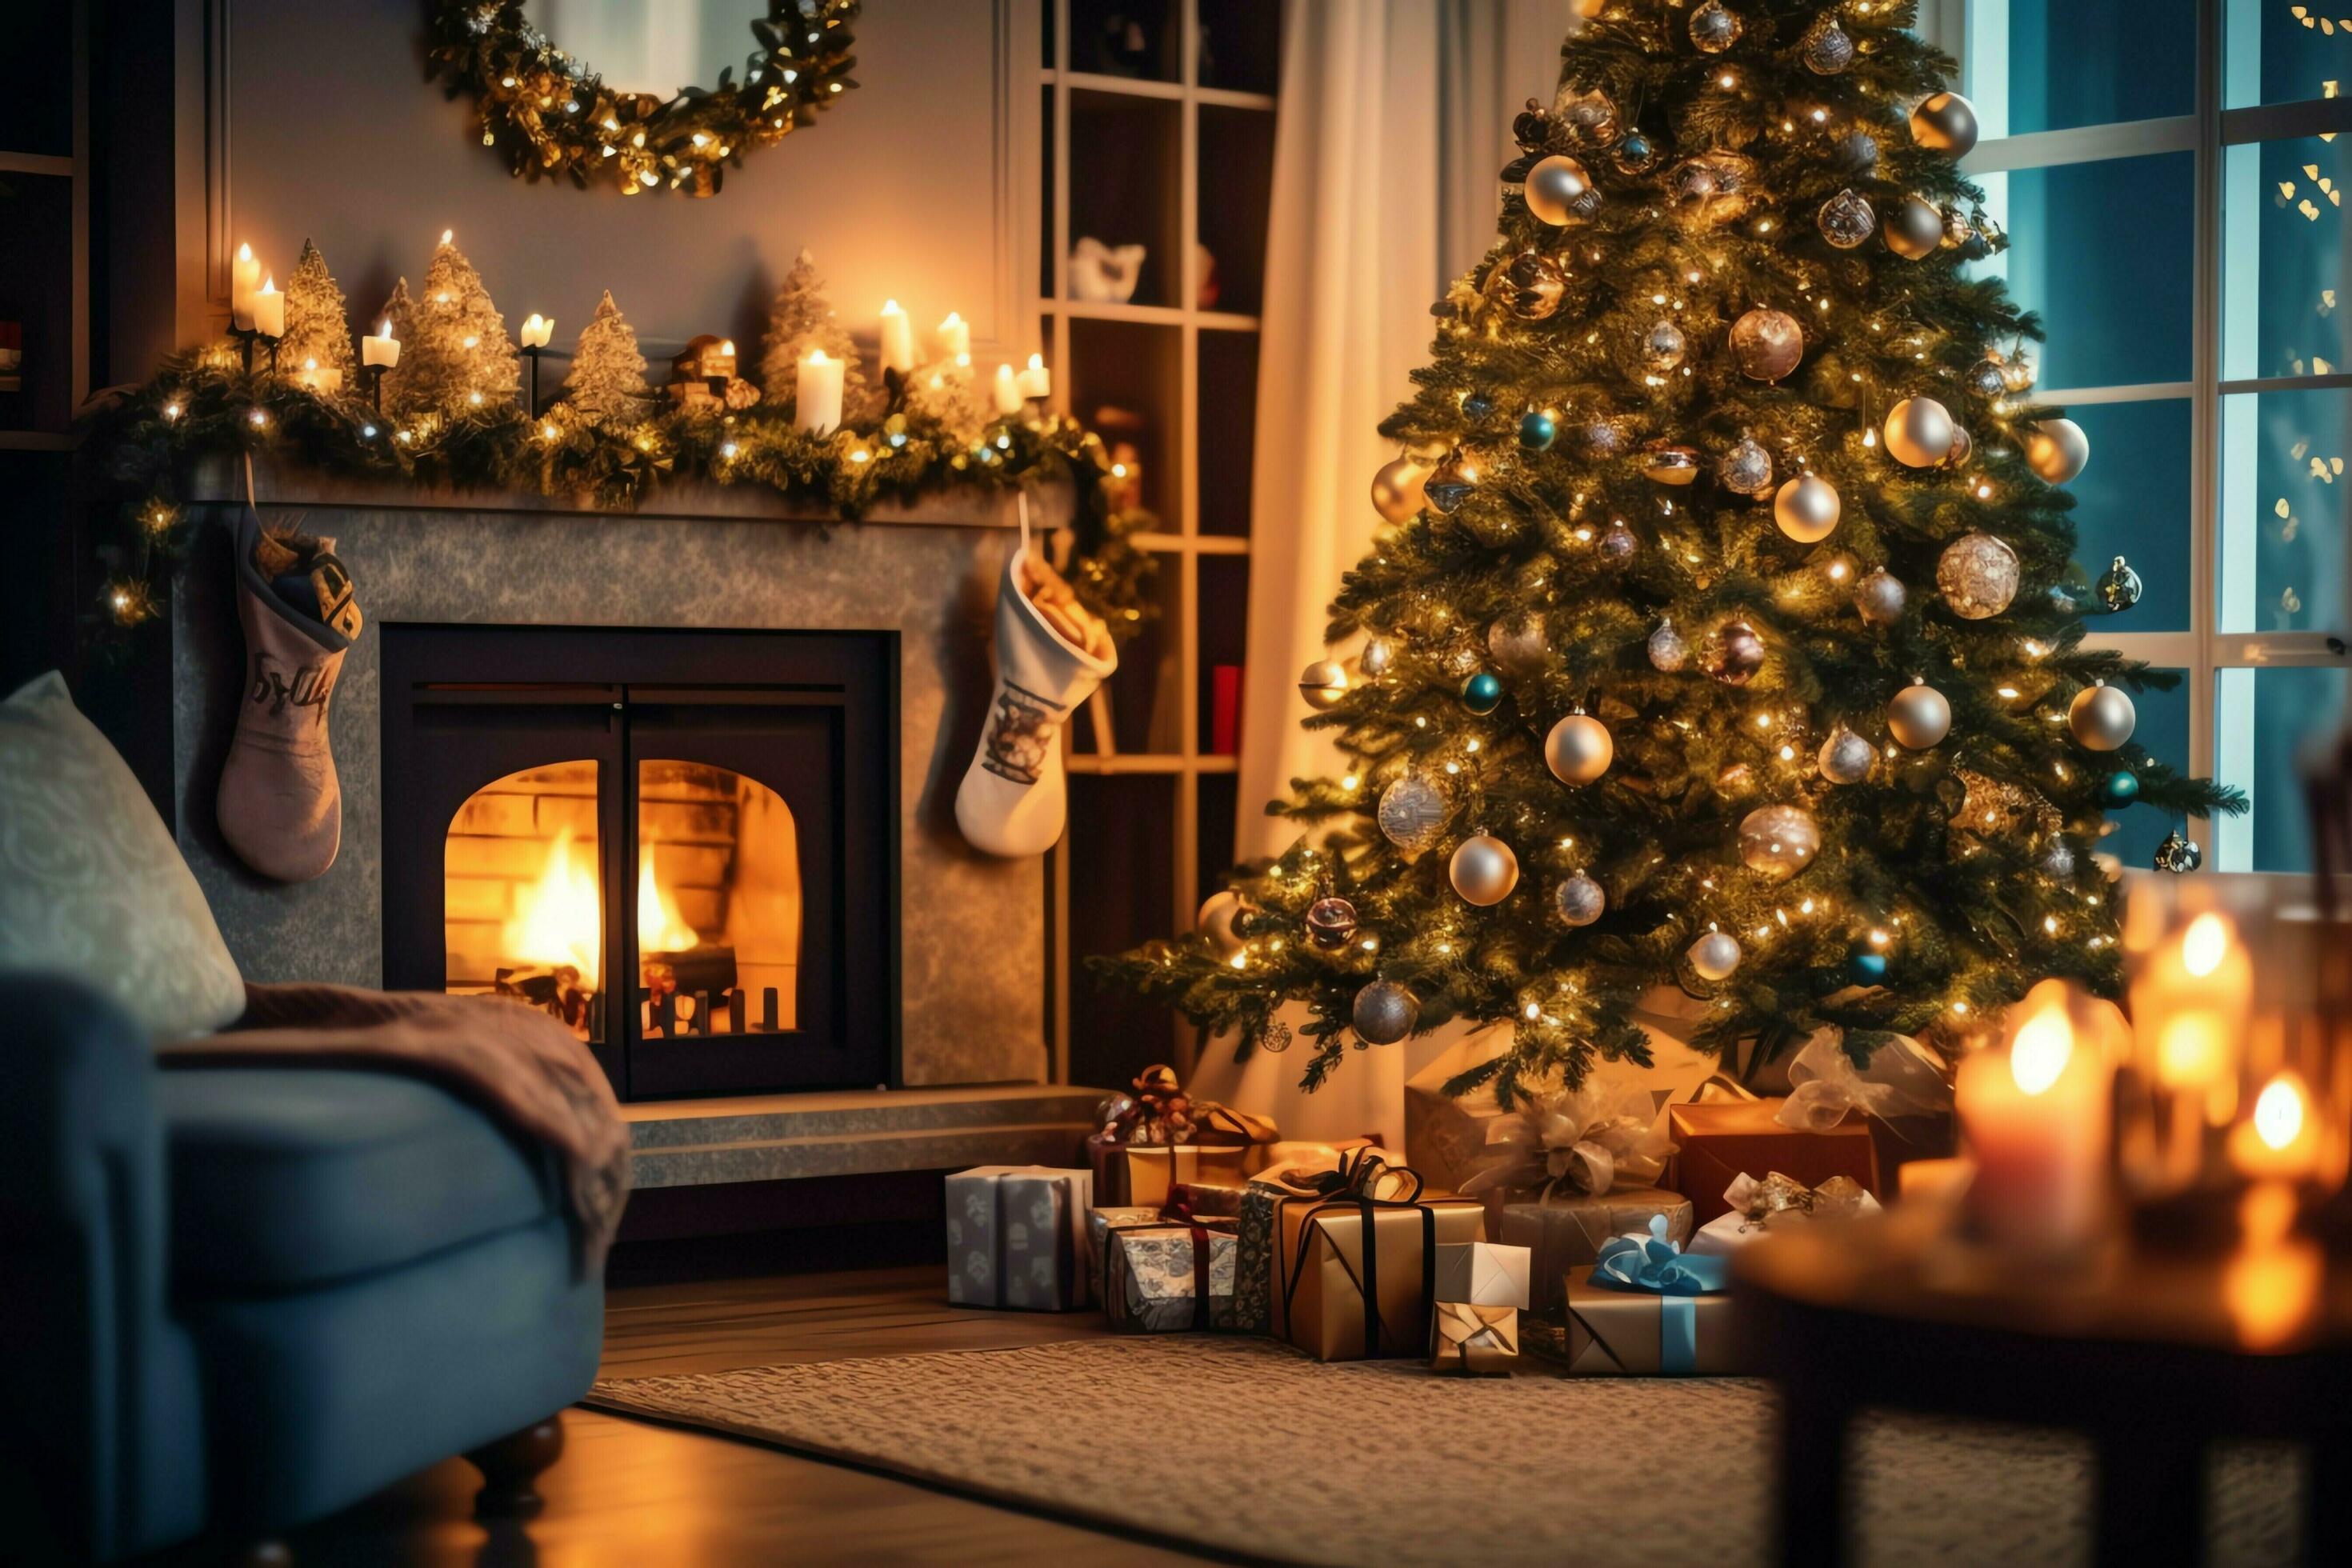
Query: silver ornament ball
(1978, 576)
(1846, 758)
(2118, 586)
(1413, 813)
(1322, 684)
(1385, 1012)
(1915, 229)
(1578, 901)
(2102, 717)
(1947, 122)
(1215, 921)
(1668, 652)
(1378, 657)
(1714, 29)
(1484, 870)
(1330, 922)
(1807, 508)
(1881, 598)
(1828, 49)
(1557, 189)
(1663, 347)
(2057, 449)
(1745, 470)
(1919, 717)
(1964, 447)
(1846, 220)
(1918, 432)
(1578, 749)
(2058, 859)
(2179, 854)
(1987, 378)
(1776, 842)
(1714, 956)
(1396, 487)
(1450, 482)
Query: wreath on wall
(553, 116)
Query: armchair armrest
(103, 1382)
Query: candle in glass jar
(2036, 1116)
(269, 311)
(1036, 381)
(1008, 391)
(244, 282)
(953, 336)
(383, 349)
(817, 397)
(898, 338)
(2189, 1005)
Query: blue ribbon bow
(1657, 1265)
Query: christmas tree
(455, 353)
(801, 319)
(1719, 640)
(317, 325)
(607, 384)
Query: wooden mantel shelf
(217, 480)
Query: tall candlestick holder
(531, 353)
(246, 338)
(374, 374)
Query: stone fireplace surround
(971, 928)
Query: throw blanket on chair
(518, 1064)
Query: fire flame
(659, 928)
(563, 914)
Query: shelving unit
(1157, 121)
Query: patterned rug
(1245, 1448)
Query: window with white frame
(2172, 174)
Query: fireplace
(681, 844)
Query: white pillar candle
(816, 399)
(537, 330)
(1008, 391)
(384, 349)
(244, 282)
(898, 338)
(2037, 1117)
(953, 336)
(1036, 381)
(269, 311)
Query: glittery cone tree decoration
(455, 354)
(607, 384)
(801, 319)
(318, 328)
(1724, 568)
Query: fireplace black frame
(811, 715)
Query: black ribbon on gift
(1178, 1210)
(1350, 1187)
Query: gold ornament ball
(1918, 432)
(2057, 449)
(1947, 122)
(2102, 717)
(1714, 956)
(1919, 717)
(1666, 464)
(1396, 488)
(1578, 749)
(1767, 345)
(1846, 758)
(1323, 683)
(1807, 508)
(1559, 191)
(1484, 870)
(1215, 921)
(1777, 841)
(1915, 229)
(1978, 576)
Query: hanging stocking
(280, 808)
(1050, 656)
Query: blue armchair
(233, 1300)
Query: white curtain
(1395, 120)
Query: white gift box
(1483, 1274)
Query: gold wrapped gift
(1355, 1276)
(1474, 1342)
(1144, 1174)
(1616, 1333)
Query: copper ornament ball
(1732, 653)
(1846, 220)
(1778, 841)
(1385, 1012)
(1578, 749)
(1918, 717)
(1947, 122)
(1484, 870)
(1767, 345)
(1915, 229)
(1807, 508)
(1330, 922)
(1978, 576)
(1529, 285)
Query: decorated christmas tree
(607, 384)
(801, 319)
(318, 328)
(455, 354)
(1719, 639)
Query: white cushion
(91, 884)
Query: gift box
(1475, 1340)
(1017, 1238)
(1445, 1135)
(1307, 1180)
(1617, 1332)
(1776, 1204)
(1567, 1232)
(1144, 1174)
(1102, 1222)
(1482, 1274)
(1355, 1278)
(1718, 1139)
(1165, 1278)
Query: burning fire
(563, 914)
(659, 928)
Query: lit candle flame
(2041, 1051)
(2205, 944)
(2278, 1111)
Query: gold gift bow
(1755, 1202)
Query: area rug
(1247, 1448)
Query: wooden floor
(628, 1492)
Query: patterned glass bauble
(1530, 286)
(1732, 653)
(1978, 576)
(1451, 482)
(2120, 788)
(1635, 155)
(1915, 229)
(1668, 652)
(1865, 968)
(1618, 543)
(1385, 1012)
(1947, 122)
(1918, 432)
(1215, 921)
(2179, 854)
(1856, 155)
(1482, 693)
(1478, 405)
(1776, 842)
(1964, 447)
(2057, 449)
(1957, 231)
(1828, 50)
(1518, 644)
(1560, 190)
(1663, 347)
(1846, 758)
(1846, 220)
(2057, 858)
(1767, 345)
(1483, 870)
(1985, 378)
(1330, 922)
(1578, 900)
(1413, 813)
(1714, 28)
(1881, 596)
(1397, 488)
(1807, 508)
(2102, 717)
(1578, 749)
(2017, 371)
(1745, 470)
(1459, 658)
(1378, 657)
(1538, 431)
(1714, 956)
(1919, 717)
(1606, 438)
(1322, 684)
(2118, 588)
(1587, 114)
(1664, 463)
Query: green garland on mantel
(203, 404)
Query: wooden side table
(2152, 1356)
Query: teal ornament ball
(2122, 788)
(1867, 968)
(1483, 692)
(1538, 431)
